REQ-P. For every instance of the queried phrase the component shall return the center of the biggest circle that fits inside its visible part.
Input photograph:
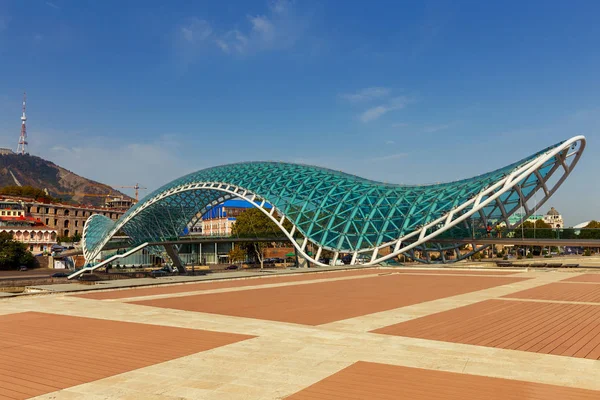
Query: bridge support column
(174, 256)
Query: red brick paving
(192, 287)
(320, 303)
(549, 328)
(455, 272)
(593, 278)
(372, 381)
(42, 353)
(583, 292)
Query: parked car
(22, 268)
(60, 275)
(232, 267)
(157, 273)
(164, 271)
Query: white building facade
(554, 219)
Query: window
(31, 248)
(76, 223)
(47, 221)
(66, 213)
(76, 212)
(47, 210)
(66, 224)
(55, 222)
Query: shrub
(587, 253)
(529, 255)
(519, 257)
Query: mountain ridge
(29, 170)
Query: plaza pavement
(380, 333)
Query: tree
(593, 225)
(14, 253)
(591, 231)
(237, 255)
(69, 239)
(27, 191)
(538, 229)
(253, 223)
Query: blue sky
(398, 91)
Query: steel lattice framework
(346, 214)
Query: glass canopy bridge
(345, 214)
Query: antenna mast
(22, 148)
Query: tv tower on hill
(22, 147)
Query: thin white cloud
(279, 28)
(263, 27)
(389, 157)
(436, 128)
(374, 113)
(51, 4)
(195, 31)
(389, 142)
(366, 94)
(232, 41)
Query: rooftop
(368, 333)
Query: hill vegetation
(27, 191)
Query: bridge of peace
(329, 211)
(366, 330)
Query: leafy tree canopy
(237, 255)
(538, 224)
(69, 239)
(591, 231)
(13, 253)
(538, 229)
(26, 191)
(254, 223)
